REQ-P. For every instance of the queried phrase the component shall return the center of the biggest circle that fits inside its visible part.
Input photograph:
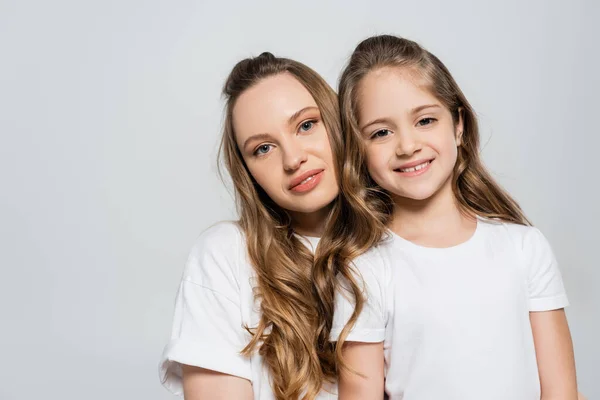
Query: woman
(247, 319)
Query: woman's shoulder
(219, 249)
(221, 236)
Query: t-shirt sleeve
(370, 325)
(545, 284)
(207, 327)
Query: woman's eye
(381, 133)
(263, 149)
(426, 121)
(307, 126)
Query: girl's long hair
(473, 186)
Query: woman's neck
(310, 224)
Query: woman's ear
(459, 127)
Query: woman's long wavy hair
(478, 194)
(296, 296)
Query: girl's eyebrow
(384, 121)
(417, 110)
(387, 121)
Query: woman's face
(282, 138)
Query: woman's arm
(204, 384)
(208, 325)
(554, 352)
(366, 359)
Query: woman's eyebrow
(300, 112)
(258, 136)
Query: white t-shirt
(213, 304)
(456, 320)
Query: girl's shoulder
(525, 239)
(376, 262)
(510, 229)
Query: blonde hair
(291, 335)
(473, 186)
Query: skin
(367, 360)
(289, 149)
(554, 352)
(402, 122)
(281, 136)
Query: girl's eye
(426, 121)
(263, 149)
(307, 126)
(381, 133)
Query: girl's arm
(554, 352)
(367, 360)
(361, 373)
(204, 384)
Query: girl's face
(282, 138)
(411, 139)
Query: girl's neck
(434, 222)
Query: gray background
(110, 114)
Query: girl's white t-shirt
(213, 305)
(455, 321)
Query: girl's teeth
(412, 169)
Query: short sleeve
(207, 328)
(545, 284)
(370, 326)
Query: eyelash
(429, 120)
(313, 122)
(257, 152)
(375, 135)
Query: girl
(246, 320)
(470, 305)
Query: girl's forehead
(393, 89)
(410, 74)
